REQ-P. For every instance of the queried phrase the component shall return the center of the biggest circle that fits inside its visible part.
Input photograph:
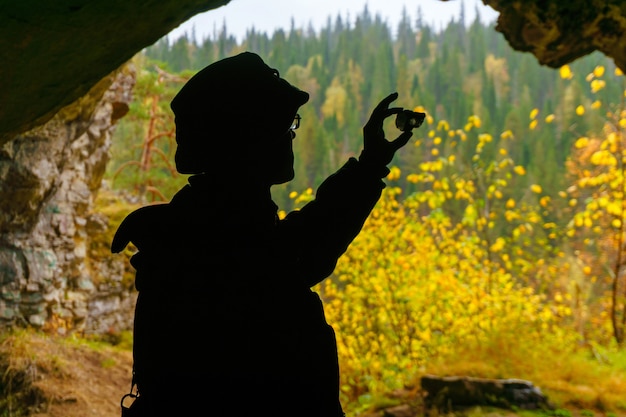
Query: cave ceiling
(53, 52)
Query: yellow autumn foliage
(454, 267)
(412, 287)
(565, 72)
(598, 71)
(335, 103)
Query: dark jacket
(225, 305)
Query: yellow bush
(414, 288)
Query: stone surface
(453, 392)
(49, 177)
(558, 32)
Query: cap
(235, 90)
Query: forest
(497, 249)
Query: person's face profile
(270, 156)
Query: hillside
(44, 376)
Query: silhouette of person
(226, 323)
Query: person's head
(236, 114)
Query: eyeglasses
(296, 122)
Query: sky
(269, 15)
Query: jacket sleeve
(325, 227)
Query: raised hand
(377, 150)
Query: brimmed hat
(224, 95)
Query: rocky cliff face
(49, 177)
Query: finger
(382, 114)
(384, 103)
(401, 140)
(392, 111)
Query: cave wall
(49, 177)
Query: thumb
(401, 140)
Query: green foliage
(142, 155)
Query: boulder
(453, 392)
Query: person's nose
(292, 134)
